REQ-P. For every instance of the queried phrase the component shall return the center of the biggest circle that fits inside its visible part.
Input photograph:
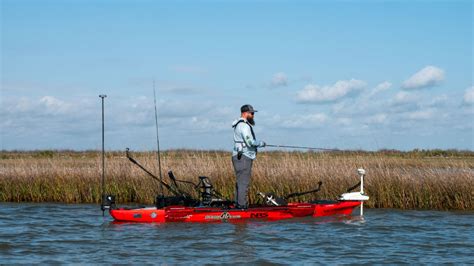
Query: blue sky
(345, 74)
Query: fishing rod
(300, 147)
(163, 183)
(157, 140)
(277, 201)
(297, 194)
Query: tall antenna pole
(102, 96)
(157, 140)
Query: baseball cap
(247, 108)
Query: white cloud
(469, 95)
(377, 119)
(20, 105)
(421, 114)
(60, 115)
(429, 76)
(46, 105)
(315, 94)
(48, 117)
(279, 80)
(339, 107)
(299, 121)
(54, 105)
(404, 101)
(403, 97)
(438, 101)
(343, 121)
(381, 87)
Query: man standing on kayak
(244, 152)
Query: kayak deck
(211, 214)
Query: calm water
(58, 233)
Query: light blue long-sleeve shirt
(243, 139)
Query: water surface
(59, 233)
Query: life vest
(246, 122)
(239, 153)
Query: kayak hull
(208, 214)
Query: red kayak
(180, 206)
(209, 214)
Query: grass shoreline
(433, 179)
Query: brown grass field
(441, 180)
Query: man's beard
(251, 121)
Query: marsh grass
(441, 180)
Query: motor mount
(357, 196)
(108, 202)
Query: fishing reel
(272, 200)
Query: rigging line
(157, 140)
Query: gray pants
(243, 171)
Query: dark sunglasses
(252, 113)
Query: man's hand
(262, 144)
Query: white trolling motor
(357, 196)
